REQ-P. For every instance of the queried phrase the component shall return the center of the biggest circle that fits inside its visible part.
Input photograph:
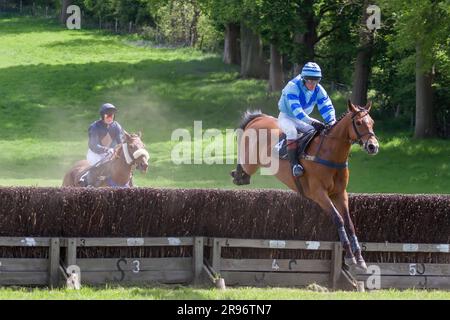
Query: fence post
(217, 253)
(54, 262)
(198, 258)
(336, 264)
(71, 253)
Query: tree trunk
(363, 62)
(276, 76)
(63, 15)
(252, 60)
(424, 99)
(231, 54)
(361, 76)
(307, 40)
(193, 28)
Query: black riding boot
(90, 178)
(297, 168)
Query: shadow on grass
(15, 25)
(156, 291)
(81, 43)
(58, 102)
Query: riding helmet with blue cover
(107, 108)
(311, 70)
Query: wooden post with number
(54, 262)
(198, 258)
(216, 256)
(71, 253)
(336, 264)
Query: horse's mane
(342, 116)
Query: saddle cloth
(303, 140)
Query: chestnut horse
(127, 156)
(326, 173)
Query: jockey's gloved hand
(319, 126)
(110, 151)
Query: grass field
(245, 293)
(52, 82)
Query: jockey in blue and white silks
(297, 101)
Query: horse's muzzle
(372, 148)
(142, 167)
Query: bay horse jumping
(326, 174)
(129, 155)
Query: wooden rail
(64, 256)
(301, 272)
(50, 271)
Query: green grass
(184, 293)
(52, 82)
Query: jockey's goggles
(312, 80)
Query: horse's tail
(248, 116)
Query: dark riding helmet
(107, 108)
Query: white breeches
(93, 157)
(290, 125)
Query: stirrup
(297, 170)
(83, 179)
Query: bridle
(131, 159)
(359, 136)
(323, 134)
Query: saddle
(97, 172)
(303, 140)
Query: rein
(340, 165)
(327, 163)
(130, 159)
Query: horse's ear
(368, 106)
(351, 106)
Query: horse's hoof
(233, 173)
(350, 261)
(241, 182)
(245, 180)
(361, 265)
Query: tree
(315, 26)
(253, 64)
(64, 15)
(419, 26)
(363, 61)
(100, 9)
(231, 49)
(227, 18)
(273, 21)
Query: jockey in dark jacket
(104, 135)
